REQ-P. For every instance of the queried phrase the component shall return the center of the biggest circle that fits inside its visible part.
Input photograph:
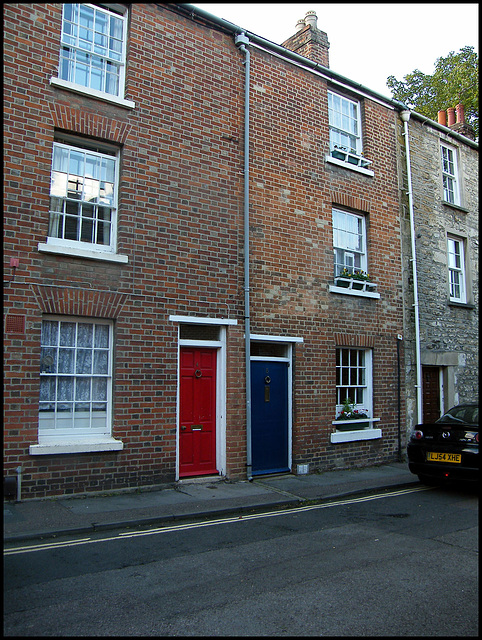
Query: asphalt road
(399, 563)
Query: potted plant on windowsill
(350, 419)
(356, 279)
(339, 152)
(350, 156)
(353, 159)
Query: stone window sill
(89, 445)
(455, 206)
(463, 305)
(92, 93)
(353, 292)
(352, 436)
(51, 247)
(350, 167)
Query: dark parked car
(447, 448)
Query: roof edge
(189, 9)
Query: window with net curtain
(75, 378)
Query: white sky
(368, 42)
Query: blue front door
(269, 417)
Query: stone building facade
(126, 316)
(444, 171)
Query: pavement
(192, 499)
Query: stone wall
(448, 331)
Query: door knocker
(267, 380)
(198, 373)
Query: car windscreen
(465, 414)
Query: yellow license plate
(435, 456)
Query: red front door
(197, 437)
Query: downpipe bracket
(241, 40)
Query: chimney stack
(309, 41)
(459, 125)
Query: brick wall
(180, 224)
(293, 191)
(181, 235)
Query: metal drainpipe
(19, 483)
(405, 116)
(242, 41)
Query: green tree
(455, 80)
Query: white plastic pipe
(405, 116)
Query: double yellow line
(47, 546)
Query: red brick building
(138, 348)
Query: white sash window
(83, 198)
(93, 48)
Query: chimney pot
(309, 41)
(311, 19)
(460, 113)
(451, 115)
(442, 118)
(300, 24)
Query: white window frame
(93, 54)
(54, 435)
(450, 174)
(359, 375)
(456, 269)
(364, 382)
(80, 247)
(337, 129)
(350, 253)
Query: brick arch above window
(354, 340)
(351, 202)
(92, 125)
(79, 302)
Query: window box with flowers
(349, 155)
(351, 419)
(355, 280)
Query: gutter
(232, 28)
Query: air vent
(15, 324)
